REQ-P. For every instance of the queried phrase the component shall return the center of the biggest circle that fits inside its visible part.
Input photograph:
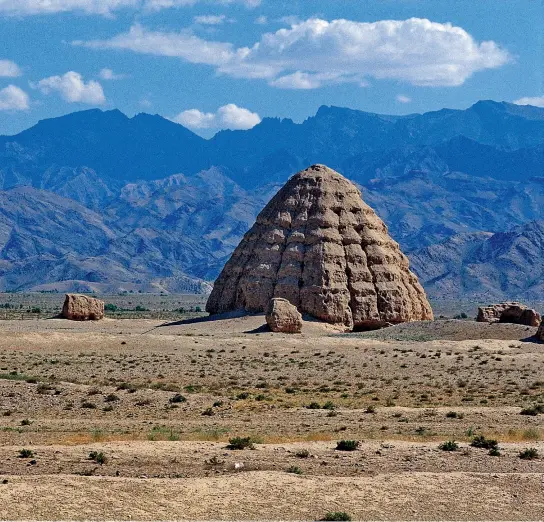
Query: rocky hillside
(485, 265)
(97, 200)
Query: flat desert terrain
(132, 418)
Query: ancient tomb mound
(320, 246)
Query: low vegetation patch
(347, 445)
(241, 443)
(449, 445)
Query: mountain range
(98, 201)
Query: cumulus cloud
(13, 99)
(537, 101)
(402, 98)
(108, 74)
(9, 69)
(227, 117)
(73, 88)
(316, 52)
(100, 7)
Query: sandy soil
(68, 389)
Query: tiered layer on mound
(320, 246)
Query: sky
(215, 64)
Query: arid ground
(131, 419)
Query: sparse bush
(454, 415)
(313, 406)
(494, 452)
(25, 454)
(481, 442)
(26, 422)
(240, 443)
(329, 405)
(449, 445)
(529, 454)
(109, 307)
(533, 410)
(88, 405)
(208, 412)
(302, 454)
(111, 397)
(294, 469)
(98, 457)
(370, 409)
(347, 445)
(177, 398)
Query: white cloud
(261, 20)
(108, 74)
(316, 52)
(402, 98)
(182, 45)
(73, 88)
(9, 69)
(227, 117)
(100, 7)
(209, 19)
(537, 101)
(13, 99)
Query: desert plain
(132, 419)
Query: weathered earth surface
(282, 316)
(516, 313)
(320, 246)
(78, 307)
(68, 389)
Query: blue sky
(212, 64)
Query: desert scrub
(98, 457)
(529, 454)
(240, 443)
(533, 410)
(336, 515)
(454, 415)
(481, 442)
(177, 399)
(294, 469)
(25, 454)
(302, 454)
(347, 445)
(449, 445)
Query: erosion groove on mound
(320, 246)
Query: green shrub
(25, 454)
(240, 443)
(294, 469)
(449, 445)
(109, 307)
(302, 454)
(98, 457)
(533, 410)
(494, 452)
(529, 454)
(313, 406)
(347, 445)
(481, 442)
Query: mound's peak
(320, 246)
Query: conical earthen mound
(320, 246)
